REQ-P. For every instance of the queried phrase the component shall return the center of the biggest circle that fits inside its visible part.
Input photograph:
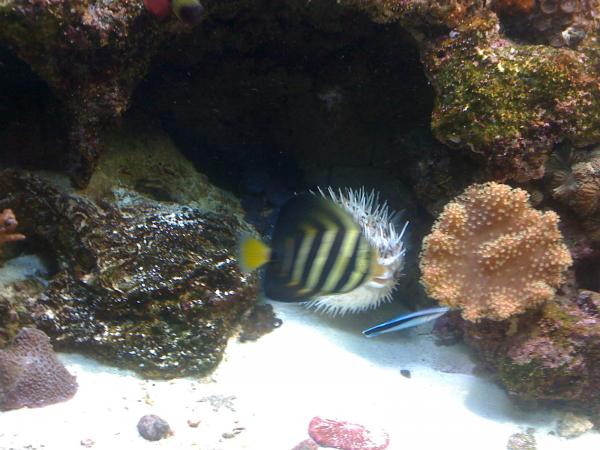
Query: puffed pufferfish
(337, 251)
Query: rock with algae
(572, 425)
(492, 255)
(547, 356)
(512, 103)
(91, 52)
(31, 375)
(508, 101)
(496, 95)
(142, 283)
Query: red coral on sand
(31, 375)
(345, 435)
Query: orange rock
(8, 225)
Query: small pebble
(87, 443)
(405, 373)
(193, 423)
(153, 428)
(233, 433)
(572, 425)
(521, 441)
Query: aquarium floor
(265, 393)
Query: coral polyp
(492, 255)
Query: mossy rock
(142, 283)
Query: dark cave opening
(32, 126)
(284, 101)
(587, 274)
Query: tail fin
(252, 253)
(404, 321)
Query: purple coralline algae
(31, 375)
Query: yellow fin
(252, 253)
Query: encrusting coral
(492, 255)
(31, 375)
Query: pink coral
(31, 375)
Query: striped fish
(317, 249)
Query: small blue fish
(405, 321)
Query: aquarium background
(140, 139)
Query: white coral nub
(377, 224)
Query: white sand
(271, 389)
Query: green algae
(510, 102)
(534, 380)
(145, 160)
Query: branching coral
(8, 225)
(31, 375)
(492, 255)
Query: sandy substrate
(265, 393)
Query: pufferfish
(339, 252)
